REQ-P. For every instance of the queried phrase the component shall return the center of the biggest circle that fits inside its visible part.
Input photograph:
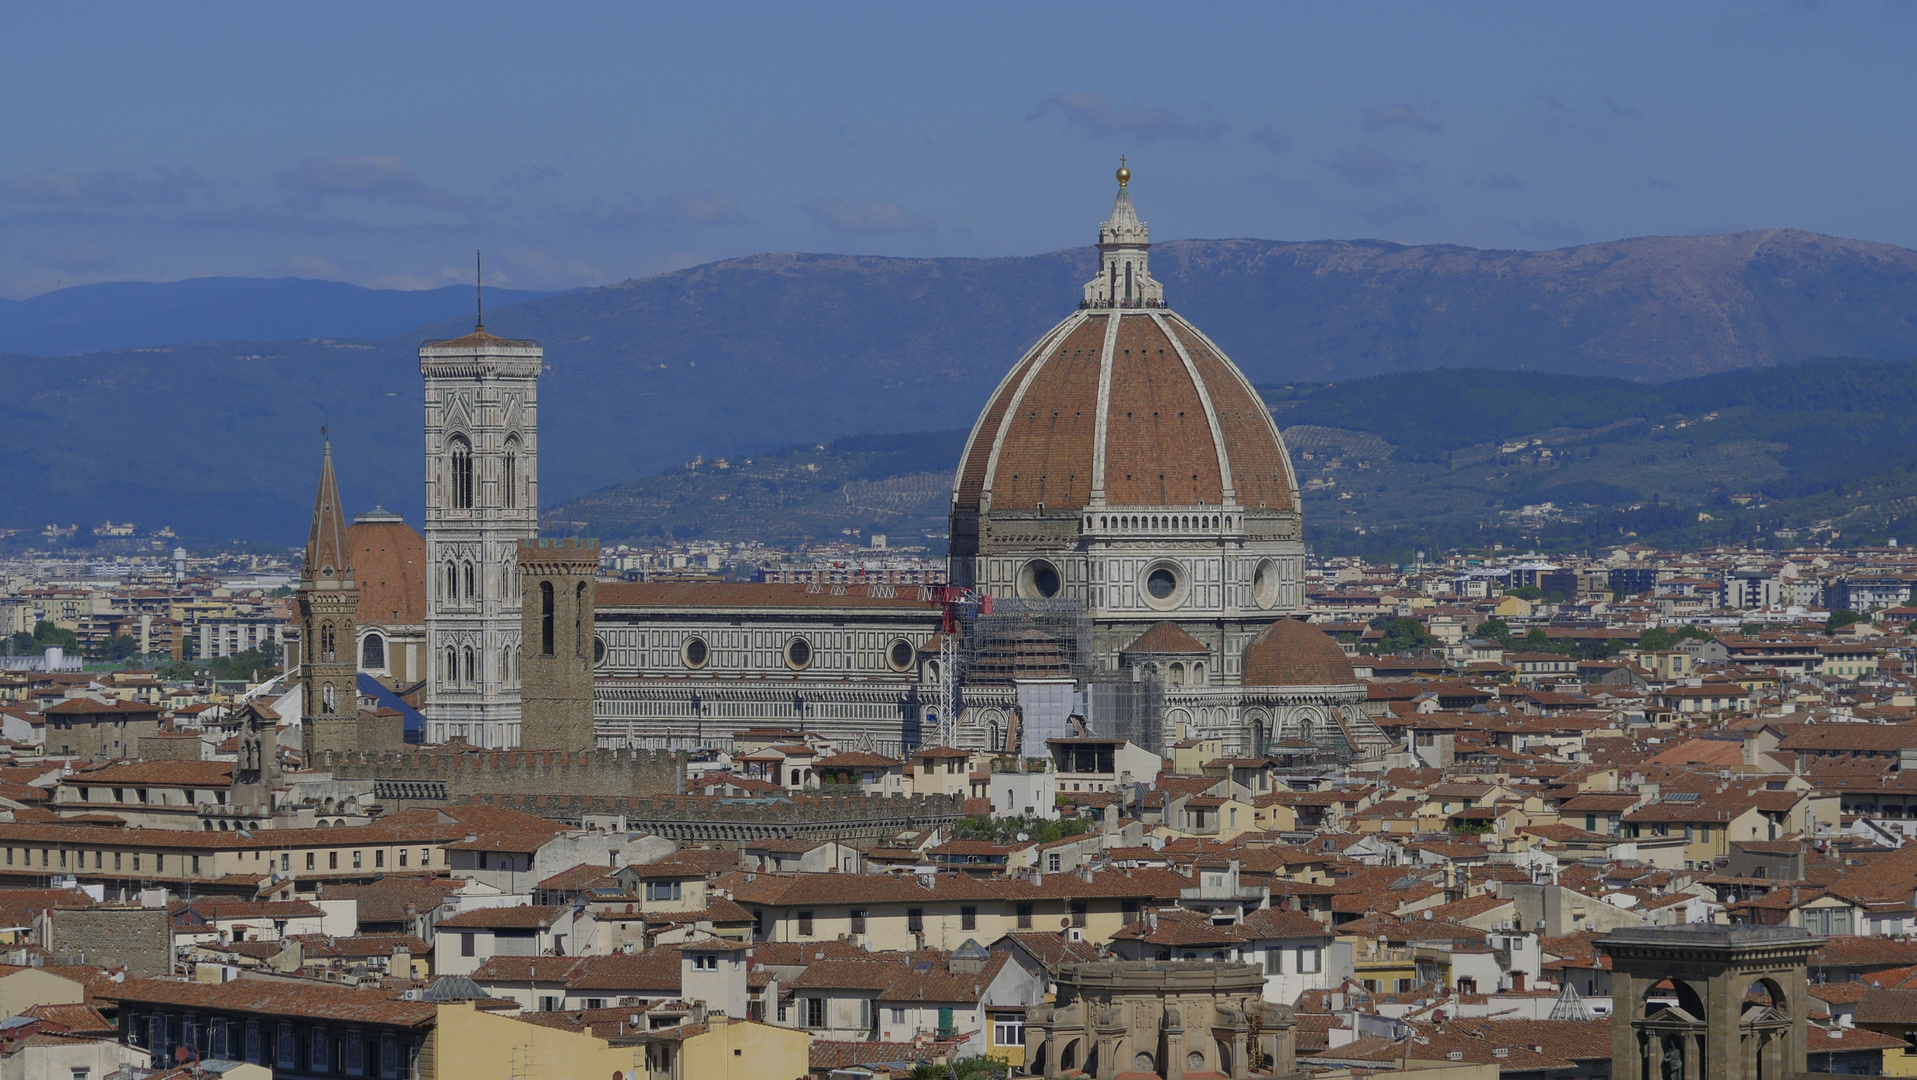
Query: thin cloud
(1095, 113)
(312, 266)
(1365, 166)
(1554, 234)
(379, 177)
(102, 189)
(1553, 102)
(1496, 182)
(84, 258)
(1415, 205)
(1621, 110)
(1379, 117)
(709, 207)
(1271, 139)
(843, 215)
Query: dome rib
(1263, 476)
(1226, 487)
(1124, 408)
(975, 466)
(1048, 439)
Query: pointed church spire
(1124, 270)
(327, 556)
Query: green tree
(1843, 617)
(21, 644)
(1655, 639)
(119, 647)
(46, 633)
(1405, 634)
(1495, 629)
(966, 1068)
(1005, 830)
(1526, 592)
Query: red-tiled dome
(1182, 425)
(1292, 652)
(1124, 404)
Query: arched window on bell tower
(462, 473)
(326, 643)
(545, 618)
(579, 620)
(326, 698)
(509, 475)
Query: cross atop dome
(1124, 275)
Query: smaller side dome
(1292, 652)
(1165, 639)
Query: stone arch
(1068, 1057)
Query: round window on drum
(798, 654)
(1264, 584)
(695, 652)
(900, 655)
(1163, 585)
(1039, 580)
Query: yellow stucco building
(468, 1044)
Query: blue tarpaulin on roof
(415, 723)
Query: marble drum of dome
(1126, 463)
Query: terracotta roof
(698, 594)
(82, 706)
(312, 1000)
(198, 774)
(555, 969)
(1159, 450)
(1291, 652)
(1166, 637)
(654, 970)
(389, 565)
(522, 917)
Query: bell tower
(482, 499)
(561, 646)
(329, 610)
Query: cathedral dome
(1292, 652)
(1124, 404)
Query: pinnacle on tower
(1124, 272)
(327, 556)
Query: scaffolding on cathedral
(998, 642)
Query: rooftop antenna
(479, 293)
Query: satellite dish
(1022, 837)
(1065, 923)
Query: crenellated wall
(725, 820)
(437, 776)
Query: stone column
(1723, 1005)
(1627, 1050)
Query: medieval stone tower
(329, 609)
(482, 498)
(560, 648)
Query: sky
(584, 143)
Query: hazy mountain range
(139, 314)
(748, 355)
